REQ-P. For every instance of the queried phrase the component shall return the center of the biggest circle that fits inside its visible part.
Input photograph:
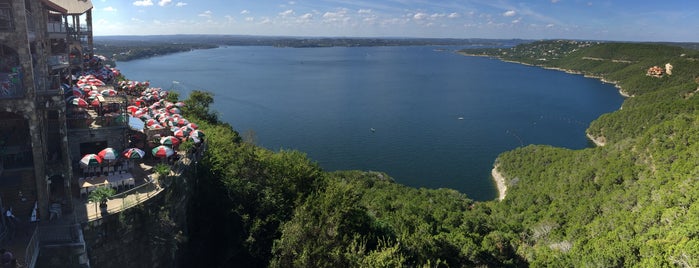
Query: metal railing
(129, 199)
(31, 254)
(56, 27)
(93, 123)
(58, 60)
(148, 190)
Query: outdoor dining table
(92, 182)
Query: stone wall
(147, 235)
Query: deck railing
(31, 254)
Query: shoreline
(599, 141)
(499, 182)
(614, 83)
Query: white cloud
(286, 13)
(550, 25)
(420, 16)
(245, 12)
(180, 4)
(438, 15)
(364, 11)
(306, 16)
(163, 3)
(143, 3)
(249, 19)
(206, 14)
(265, 21)
(453, 15)
(516, 21)
(292, 2)
(109, 9)
(509, 13)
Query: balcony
(57, 30)
(58, 61)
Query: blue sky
(625, 20)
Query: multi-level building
(42, 45)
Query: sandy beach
(499, 182)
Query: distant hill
(125, 48)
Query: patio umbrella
(90, 160)
(95, 103)
(133, 153)
(80, 102)
(162, 151)
(132, 109)
(182, 122)
(156, 126)
(179, 104)
(169, 140)
(182, 132)
(77, 92)
(108, 154)
(197, 133)
(109, 92)
(194, 139)
(174, 110)
(192, 125)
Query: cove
(425, 115)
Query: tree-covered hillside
(629, 203)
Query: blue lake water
(440, 119)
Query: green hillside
(628, 203)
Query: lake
(425, 115)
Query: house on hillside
(655, 71)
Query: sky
(619, 20)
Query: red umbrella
(156, 126)
(133, 153)
(182, 132)
(109, 92)
(169, 140)
(192, 125)
(162, 151)
(132, 109)
(80, 102)
(90, 160)
(197, 133)
(95, 103)
(108, 154)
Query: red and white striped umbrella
(169, 140)
(197, 133)
(80, 102)
(133, 153)
(132, 109)
(108, 154)
(182, 133)
(109, 92)
(90, 160)
(156, 126)
(192, 125)
(95, 103)
(162, 151)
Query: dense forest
(631, 202)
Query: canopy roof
(71, 7)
